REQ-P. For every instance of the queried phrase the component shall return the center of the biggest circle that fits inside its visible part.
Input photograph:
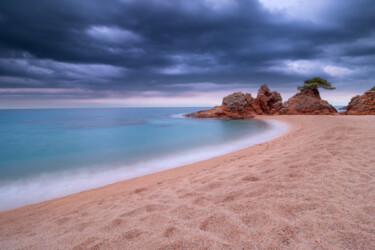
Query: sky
(141, 53)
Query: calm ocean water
(49, 153)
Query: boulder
(234, 106)
(361, 104)
(236, 102)
(268, 102)
(307, 102)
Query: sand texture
(313, 188)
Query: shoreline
(311, 187)
(68, 183)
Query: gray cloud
(146, 45)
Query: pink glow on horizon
(193, 98)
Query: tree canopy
(373, 89)
(315, 83)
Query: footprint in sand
(140, 190)
(250, 178)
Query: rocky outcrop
(361, 104)
(243, 106)
(307, 102)
(267, 102)
(234, 106)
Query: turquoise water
(49, 153)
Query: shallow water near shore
(50, 153)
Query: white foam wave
(178, 116)
(50, 186)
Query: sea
(48, 153)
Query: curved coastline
(38, 189)
(299, 182)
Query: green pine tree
(315, 83)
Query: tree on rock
(315, 83)
(373, 89)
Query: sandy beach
(313, 187)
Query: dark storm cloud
(145, 45)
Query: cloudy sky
(95, 53)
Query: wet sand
(313, 187)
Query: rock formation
(267, 102)
(307, 102)
(361, 104)
(235, 106)
(243, 106)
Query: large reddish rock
(234, 106)
(307, 102)
(243, 106)
(267, 102)
(361, 104)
